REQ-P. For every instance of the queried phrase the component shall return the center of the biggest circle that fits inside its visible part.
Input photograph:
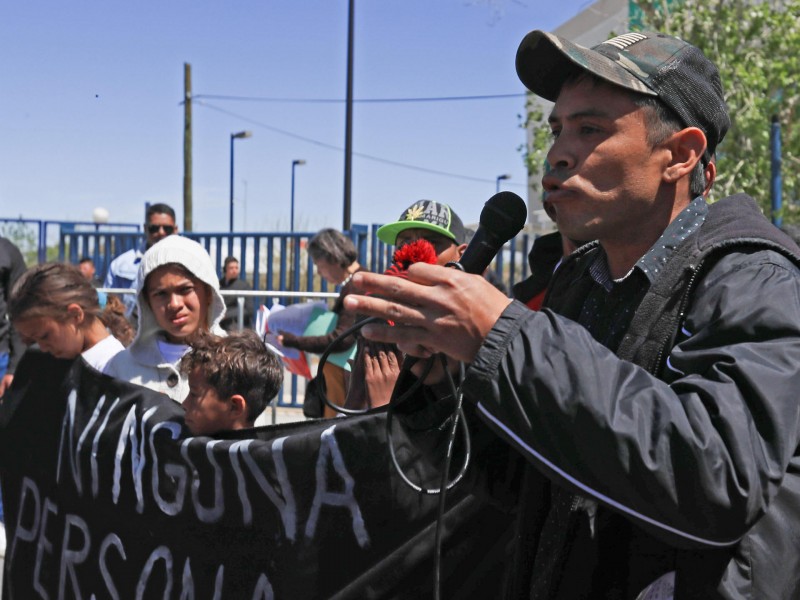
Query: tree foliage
(756, 46)
(24, 238)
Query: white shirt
(102, 352)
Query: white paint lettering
(67, 430)
(213, 514)
(187, 582)
(329, 449)
(95, 444)
(43, 545)
(263, 589)
(218, 581)
(176, 473)
(138, 469)
(241, 488)
(29, 491)
(286, 505)
(161, 553)
(127, 435)
(71, 557)
(112, 539)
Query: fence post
(775, 188)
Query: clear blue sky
(90, 111)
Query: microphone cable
(502, 217)
(457, 418)
(324, 359)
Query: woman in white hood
(178, 294)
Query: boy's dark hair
(237, 364)
(159, 209)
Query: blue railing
(269, 261)
(35, 236)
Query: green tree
(756, 46)
(23, 237)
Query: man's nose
(560, 155)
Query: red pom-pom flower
(408, 254)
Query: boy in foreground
(231, 381)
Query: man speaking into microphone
(654, 397)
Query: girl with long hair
(56, 307)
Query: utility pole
(187, 147)
(348, 119)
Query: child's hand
(381, 370)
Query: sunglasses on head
(168, 229)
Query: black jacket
(546, 253)
(230, 322)
(684, 457)
(12, 266)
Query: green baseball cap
(425, 214)
(654, 64)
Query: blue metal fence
(36, 236)
(269, 261)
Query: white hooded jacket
(142, 362)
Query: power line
(359, 101)
(340, 149)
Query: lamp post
(500, 178)
(348, 119)
(244, 206)
(295, 162)
(235, 136)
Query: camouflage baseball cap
(649, 63)
(425, 214)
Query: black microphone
(503, 216)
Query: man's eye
(554, 133)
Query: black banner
(106, 496)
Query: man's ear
(461, 249)
(711, 176)
(687, 147)
(238, 405)
(74, 311)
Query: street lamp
(296, 162)
(100, 215)
(500, 178)
(235, 136)
(244, 206)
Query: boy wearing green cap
(432, 221)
